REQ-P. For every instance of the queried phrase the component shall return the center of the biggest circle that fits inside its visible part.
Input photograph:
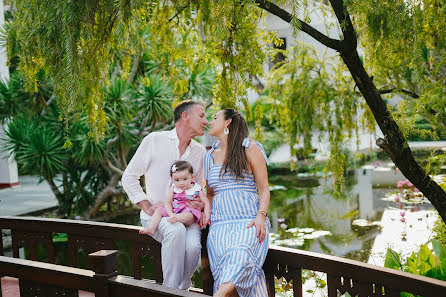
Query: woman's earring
(226, 131)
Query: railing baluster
(270, 283)
(32, 245)
(365, 289)
(50, 248)
(378, 290)
(156, 254)
(72, 250)
(297, 283)
(1, 249)
(136, 252)
(332, 282)
(15, 243)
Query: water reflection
(317, 208)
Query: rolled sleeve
(135, 169)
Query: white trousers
(180, 252)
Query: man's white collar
(173, 134)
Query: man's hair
(180, 166)
(183, 106)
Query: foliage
(84, 45)
(424, 262)
(440, 231)
(405, 49)
(14, 100)
(440, 225)
(325, 106)
(74, 42)
(37, 145)
(87, 172)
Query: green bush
(424, 262)
(440, 231)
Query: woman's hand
(204, 220)
(259, 223)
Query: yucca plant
(154, 100)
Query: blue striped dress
(235, 254)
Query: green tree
(74, 41)
(394, 142)
(85, 175)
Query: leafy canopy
(75, 41)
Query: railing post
(104, 263)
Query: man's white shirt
(153, 159)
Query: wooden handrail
(48, 274)
(97, 229)
(92, 236)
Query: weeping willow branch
(180, 11)
(393, 90)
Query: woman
(235, 170)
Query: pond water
(347, 226)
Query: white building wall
(8, 167)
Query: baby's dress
(180, 198)
(235, 253)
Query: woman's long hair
(235, 159)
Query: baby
(175, 206)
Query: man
(180, 245)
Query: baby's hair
(180, 166)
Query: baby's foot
(172, 219)
(148, 231)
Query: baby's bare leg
(187, 218)
(153, 224)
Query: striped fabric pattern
(235, 253)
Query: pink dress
(180, 198)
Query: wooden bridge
(39, 279)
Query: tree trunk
(103, 196)
(394, 143)
(57, 193)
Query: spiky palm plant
(154, 100)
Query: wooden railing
(37, 279)
(342, 275)
(86, 235)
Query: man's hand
(196, 203)
(149, 208)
